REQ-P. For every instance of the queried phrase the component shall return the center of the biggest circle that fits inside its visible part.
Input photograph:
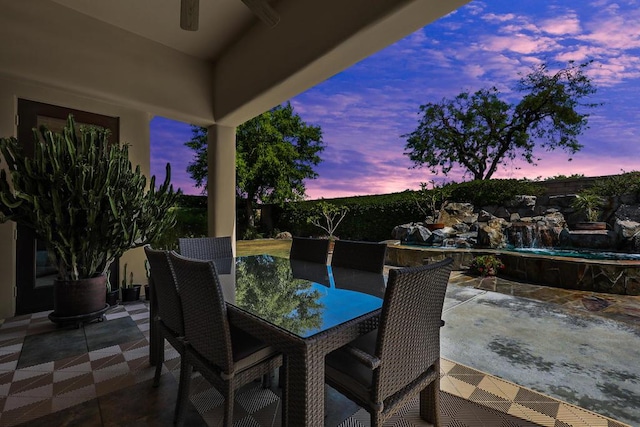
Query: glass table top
(301, 297)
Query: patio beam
(312, 42)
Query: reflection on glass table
(299, 296)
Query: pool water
(586, 254)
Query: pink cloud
(561, 25)
(520, 43)
(494, 17)
(581, 53)
(519, 28)
(614, 71)
(614, 32)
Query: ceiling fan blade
(264, 11)
(189, 12)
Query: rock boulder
(458, 213)
(491, 235)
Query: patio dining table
(298, 308)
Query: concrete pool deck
(576, 346)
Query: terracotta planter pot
(434, 226)
(590, 226)
(79, 297)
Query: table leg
(305, 389)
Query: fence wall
(569, 186)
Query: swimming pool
(578, 272)
(574, 253)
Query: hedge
(374, 217)
(370, 218)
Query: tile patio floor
(99, 375)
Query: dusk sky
(364, 110)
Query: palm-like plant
(589, 203)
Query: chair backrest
(316, 272)
(367, 256)
(206, 248)
(165, 290)
(206, 324)
(309, 249)
(359, 281)
(409, 330)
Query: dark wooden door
(34, 270)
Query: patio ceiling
(234, 67)
(221, 22)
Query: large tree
(479, 131)
(275, 152)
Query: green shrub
(563, 177)
(191, 201)
(617, 185)
(370, 217)
(190, 222)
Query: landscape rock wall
(529, 221)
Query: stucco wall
(134, 130)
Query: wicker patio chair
(206, 248)
(367, 256)
(168, 321)
(384, 369)
(225, 356)
(309, 249)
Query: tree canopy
(275, 152)
(479, 131)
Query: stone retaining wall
(615, 277)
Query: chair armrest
(371, 361)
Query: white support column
(221, 184)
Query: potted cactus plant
(130, 291)
(82, 197)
